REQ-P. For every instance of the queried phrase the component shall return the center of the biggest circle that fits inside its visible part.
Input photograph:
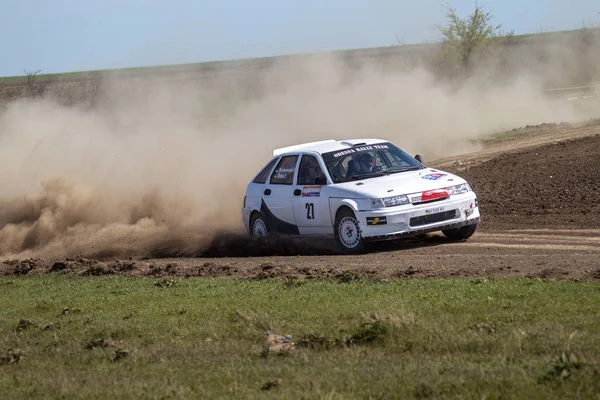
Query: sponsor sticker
(361, 148)
(433, 177)
(434, 210)
(282, 173)
(469, 211)
(376, 220)
(311, 191)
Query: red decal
(434, 194)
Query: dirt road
(539, 195)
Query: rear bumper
(246, 211)
(410, 220)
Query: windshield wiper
(386, 172)
(405, 169)
(369, 175)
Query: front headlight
(377, 203)
(389, 201)
(396, 201)
(459, 189)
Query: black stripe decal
(275, 224)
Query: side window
(284, 173)
(264, 174)
(310, 171)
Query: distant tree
(465, 38)
(400, 41)
(34, 86)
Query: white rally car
(356, 190)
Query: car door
(277, 197)
(311, 198)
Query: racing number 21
(310, 210)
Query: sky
(78, 35)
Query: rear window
(264, 173)
(284, 173)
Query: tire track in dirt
(485, 255)
(539, 246)
(549, 238)
(580, 232)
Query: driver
(313, 171)
(365, 163)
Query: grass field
(114, 337)
(536, 39)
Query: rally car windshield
(368, 161)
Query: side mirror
(420, 159)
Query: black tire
(350, 241)
(460, 233)
(258, 219)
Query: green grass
(498, 137)
(138, 71)
(502, 136)
(61, 337)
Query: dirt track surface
(555, 185)
(539, 196)
(556, 254)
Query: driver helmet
(365, 162)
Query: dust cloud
(143, 172)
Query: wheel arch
(343, 207)
(348, 207)
(345, 203)
(253, 212)
(256, 215)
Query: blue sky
(75, 35)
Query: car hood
(396, 184)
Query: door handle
(267, 192)
(297, 192)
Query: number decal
(310, 210)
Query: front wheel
(460, 233)
(347, 232)
(258, 225)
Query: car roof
(325, 146)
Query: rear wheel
(258, 225)
(460, 233)
(347, 232)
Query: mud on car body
(356, 191)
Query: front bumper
(407, 220)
